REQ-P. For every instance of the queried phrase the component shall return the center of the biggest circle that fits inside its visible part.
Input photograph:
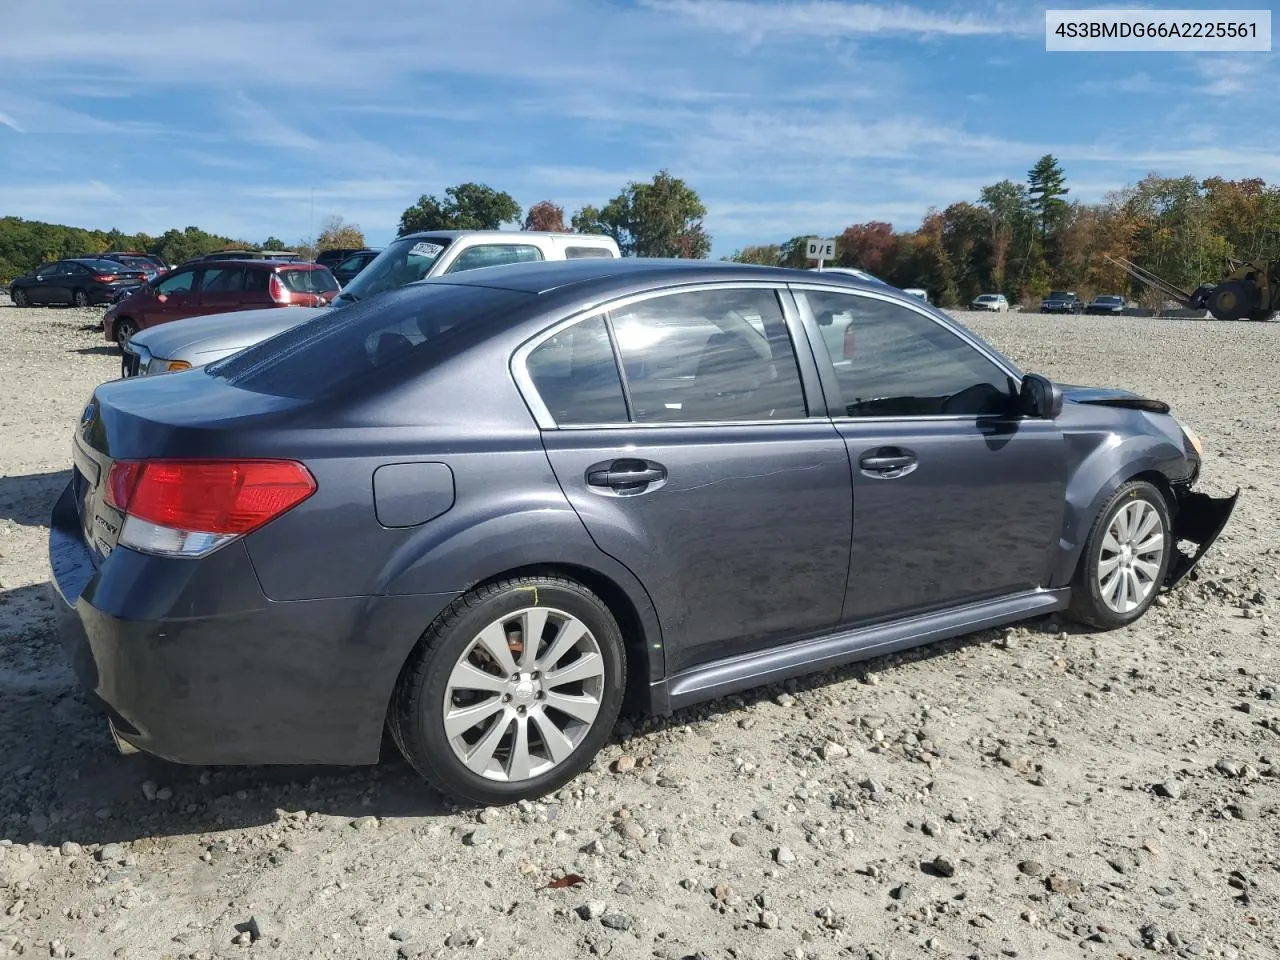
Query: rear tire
(483, 723)
(1125, 558)
(125, 329)
(80, 299)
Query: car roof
(540, 277)
(506, 235)
(253, 262)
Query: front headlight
(1191, 436)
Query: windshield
(404, 261)
(986, 298)
(1108, 299)
(1058, 295)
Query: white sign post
(820, 250)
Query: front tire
(490, 719)
(19, 298)
(1125, 558)
(124, 331)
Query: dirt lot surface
(1035, 792)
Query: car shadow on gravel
(28, 499)
(62, 778)
(105, 350)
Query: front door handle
(888, 462)
(626, 476)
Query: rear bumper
(191, 662)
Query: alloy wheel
(1129, 559)
(524, 694)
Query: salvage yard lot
(1035, 792)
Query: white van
(195, 341)
(434, 253)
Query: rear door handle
(628, 476)
(888, 462)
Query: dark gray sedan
(483, 510)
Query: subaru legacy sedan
(485, 510)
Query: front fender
(1109, 460)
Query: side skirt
(733, 674)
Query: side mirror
(1041, 398)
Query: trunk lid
(189, 415)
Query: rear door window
(709, 355)
(223, 280)
(338, 349)
(493, 255)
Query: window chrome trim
(519, 364)
(963, 335)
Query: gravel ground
(1032, 792)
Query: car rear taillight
(189, 508)
(105, 277)
(278, 291)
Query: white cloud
(828, 19)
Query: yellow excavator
(1249, 291)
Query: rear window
(315, 280)
(337, 349)
(581, 253)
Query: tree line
(659, 218)
(1019, 238)
(1023, 239)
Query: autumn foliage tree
(337, 234)
(545, 217)
(866, 246)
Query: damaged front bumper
(1200, 520)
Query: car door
(44, 284)
(221, 289)
(957, 498)
(173, 297)
(702, 472)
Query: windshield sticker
(425, 249)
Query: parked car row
(110, 277)
(479, 511)
(203, 339)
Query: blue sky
(787, 117)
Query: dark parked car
(347, 269)
(481, 509)
(156, 262)
(1061, 301)
(331, 258)
(1107, 304)
(80, 282)
(218, 287)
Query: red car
(221, 286)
